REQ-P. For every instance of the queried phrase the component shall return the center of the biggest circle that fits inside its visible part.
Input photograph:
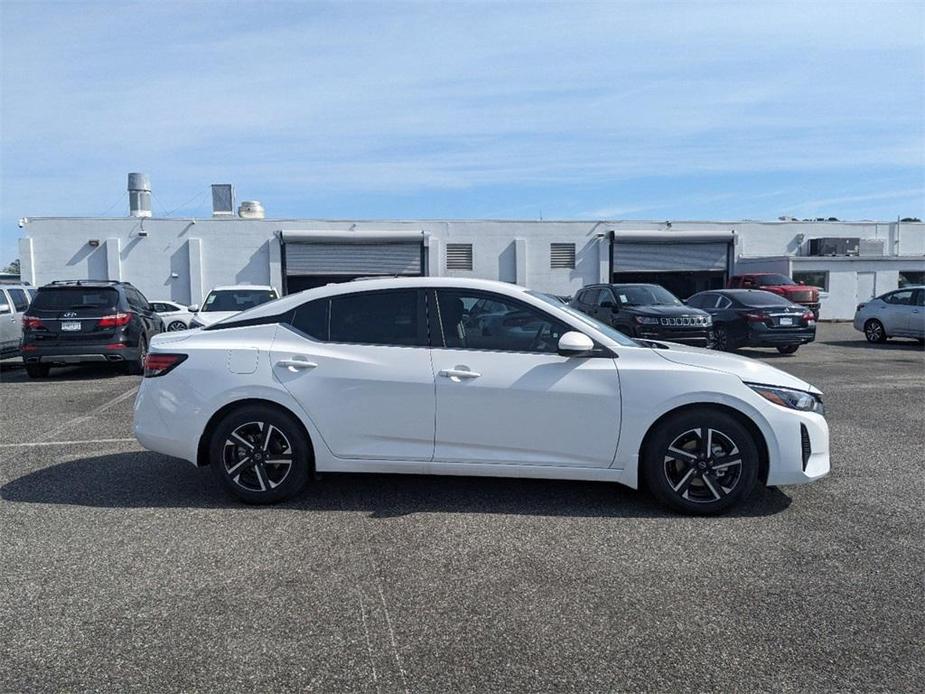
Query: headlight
(792, 399)
(708, 320)
(195, 324)
(647, 320)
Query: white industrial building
(182, 258)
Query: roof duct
(139, 195)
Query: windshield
(645, 295)
(762, 299)
(62, 298)
(607, 330)
(237, 299)
(773, 280)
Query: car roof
(85, 283)
(290, 301)
(228, 287)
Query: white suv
(224, 302)
(470, 377)
(14, 300)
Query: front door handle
(457, 374)
(296, 364)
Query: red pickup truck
(797, 292)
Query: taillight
(159, 363)
(32, 323)
(809, 317)
(755, 317)
(116, 320)
(860, 306)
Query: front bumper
(684, 336)
(803, 442)
(37, 353)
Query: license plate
(786, 321)
(70, 325)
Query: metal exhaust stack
(139, 195)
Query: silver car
(899, 313)
(14, 300)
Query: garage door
(352, 254)
(669, 257)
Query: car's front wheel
(176, 326)
(260, 454)
(721, 339)
(702, 462)
(874, 331)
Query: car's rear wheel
(788, 349)
(701, 462)
(37, 370)
(260, 454)
(721, 339)
(874, 331)
(175, 326)
(136, 367)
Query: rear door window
(378, 318)
(312, 319)
(20, 300)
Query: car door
(359, 364)
(896, 314)
(8, 335)
(153, 323)
(20, 302)
(505, 395)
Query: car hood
(749, 370)
(210, 317)
(666, 310)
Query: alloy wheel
(703, 465)
(873, 331)
(176, 326)
(257, 456)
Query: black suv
(647, 311)
(87, 321)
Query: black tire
(788, 349)
(136, 367)
(874, 331)
(921, 341)
(176, 326)
(721, 340)
(37, 370)
(256, 481)
(681, 475)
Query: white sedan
(401, 376)
(224, 302)
(175, 316)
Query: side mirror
(5, 308)
(192, 308)
(575, 344)
(609, 304)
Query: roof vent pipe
(251, 209)
(139, 195)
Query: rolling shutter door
(669, 257)
(373, 258)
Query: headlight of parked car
(793, 399)
(647, 320)
(195, 324)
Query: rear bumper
(33, 353)
(771, 337)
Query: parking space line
(106, 405)
(65, 443)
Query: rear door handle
(296, 364)
(459, 374)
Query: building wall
(181, 259)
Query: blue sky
(616, 110)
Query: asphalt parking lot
(125, 570)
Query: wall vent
(562, 255)
(459, 256)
